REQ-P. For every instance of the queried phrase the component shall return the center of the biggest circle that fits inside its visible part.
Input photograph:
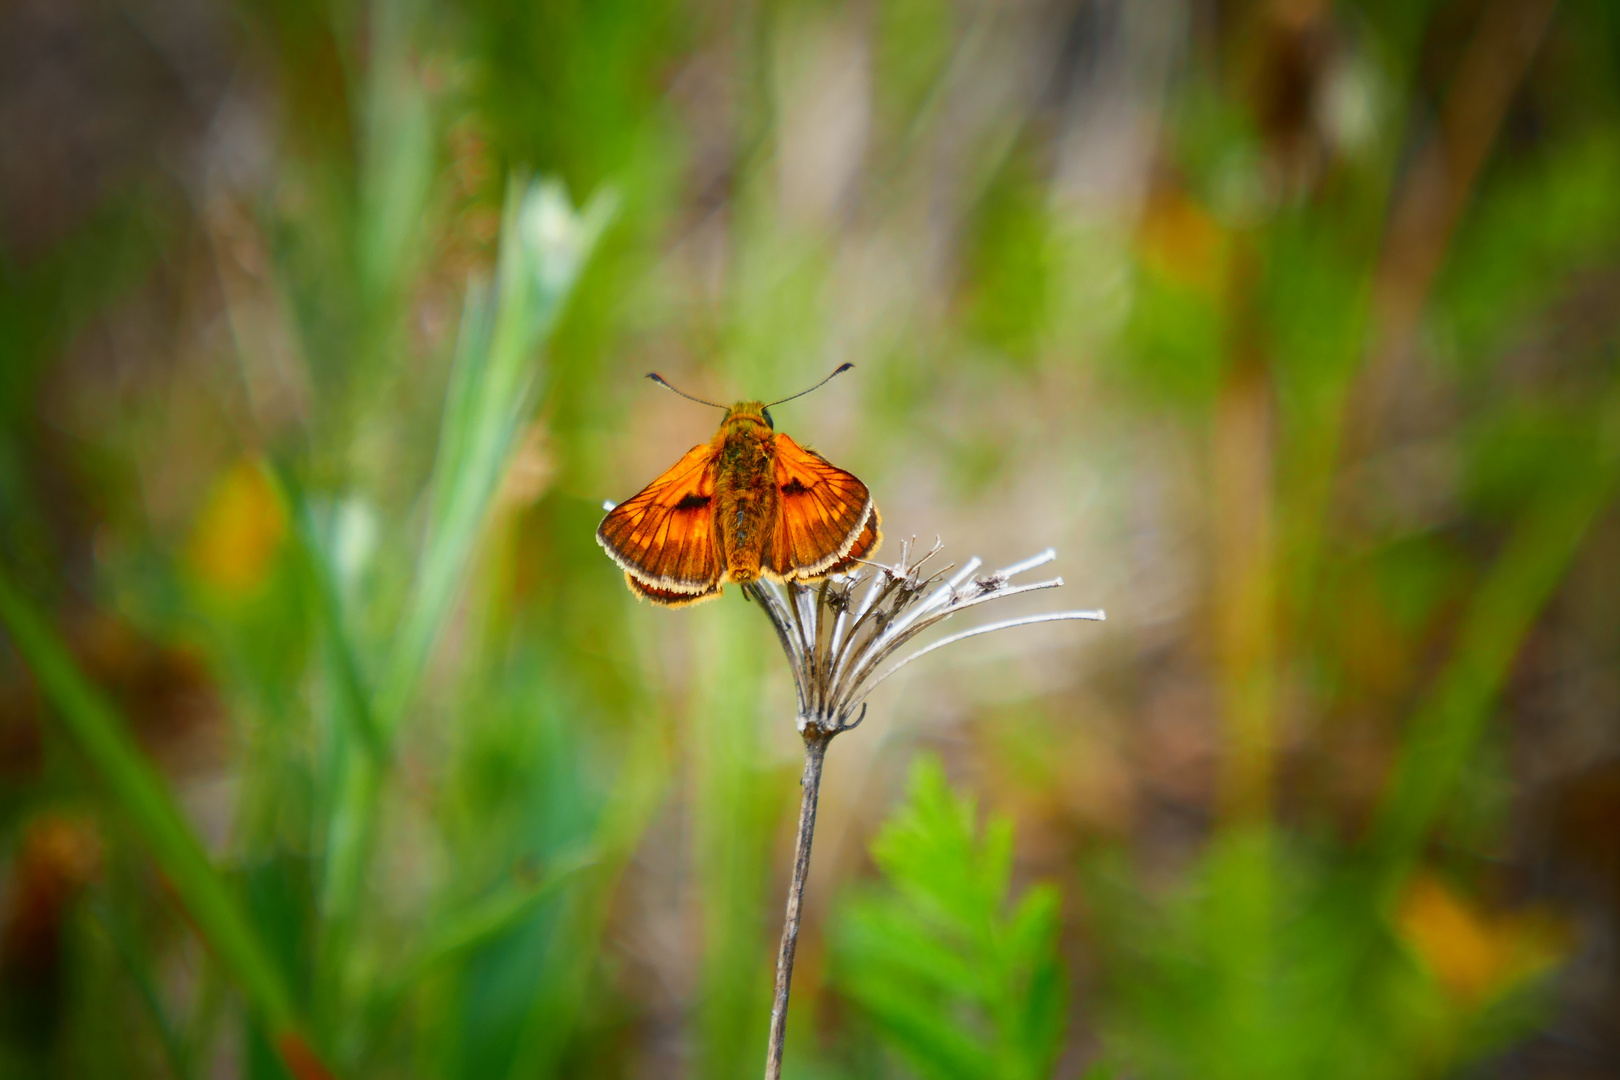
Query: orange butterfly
(747, 504)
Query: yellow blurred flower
(234, 543)
(1182, 242)
(1475, 955)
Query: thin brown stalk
(815, 750)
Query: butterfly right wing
(825, 516)
(865, 544)
(663, 536)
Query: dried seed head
(836, 641)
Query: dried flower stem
(834, 645)
(815, 751)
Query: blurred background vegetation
(330, 744)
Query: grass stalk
(815, 752)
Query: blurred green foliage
(329, 741)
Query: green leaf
(956, 980)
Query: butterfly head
(749, 412)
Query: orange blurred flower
(1181, 242)
(1475, 955)
(236, 538)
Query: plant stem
(815, 749)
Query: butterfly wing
(669, 597)
(663, 537)
(865, 545)
(824, 515)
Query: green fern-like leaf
(960, 982)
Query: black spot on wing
(692, 502)
(794, 487)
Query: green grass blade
(125, 943)
(352, 699)
(1502, 612)
(494, 387)
(496, 384)
(554, 1011)
(146, 806)
(495, 915)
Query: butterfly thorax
(745, 493)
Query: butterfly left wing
(825, 516)
(663, 536)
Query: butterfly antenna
(837, 372)
(661, 381)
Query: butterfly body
(749, 503)
(746, 499)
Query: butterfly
(747, 504)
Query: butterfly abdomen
(745, 502)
